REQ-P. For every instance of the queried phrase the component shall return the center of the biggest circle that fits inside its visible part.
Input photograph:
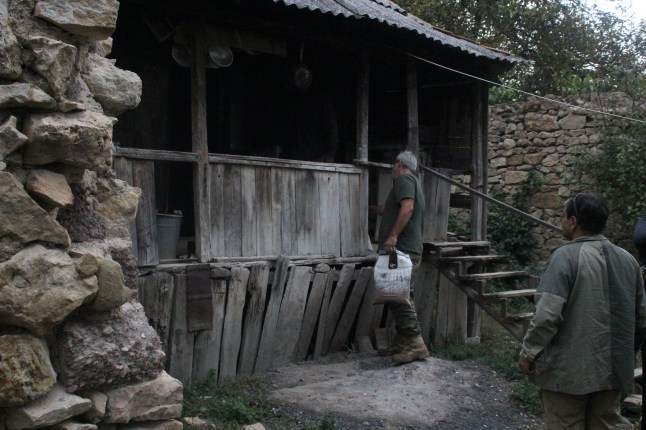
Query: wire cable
(524, 92)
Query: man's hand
(525, 366)
(390, 244)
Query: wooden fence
(263, 315)
(257, 207)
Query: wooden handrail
(472, 191)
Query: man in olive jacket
(590, 319)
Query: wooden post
(363, 98)
(480, 163)
(201, 177)
(413, 112)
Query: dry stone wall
(546, 137)
(76, 350)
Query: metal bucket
(168, 227)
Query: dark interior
(255, 108)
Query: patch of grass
(242, 402)
(227, 406)
(499, 351)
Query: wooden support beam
(412, 103)
(479, 160)
(363, 99)
(201, 182)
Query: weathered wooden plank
(264, 212)
(312, 311)
(199, 299)
(263, 361)
(283, 163)
(443, 312)
(325, 305)
(342, 331)
(143, 173)
(232, 330)
(367, 311)
(330, 229)
(436, 212)
(351, 237)
(425, 290)
(290, 317)
(284, 217)
(180, 363)
(364, 246)
(307, 213)
(232, 211)
(252, 329)
(457, 328)
(377, 317)
(385, 183)
(336, 304)
(412, 105)
(218, 203)
(123, 169)
(249, 222)
(155, 154)
(206, 351)
(156, 296)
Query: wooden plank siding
(260, 210)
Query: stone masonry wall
(546, 137)
(76, 350)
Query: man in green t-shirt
(401, 228)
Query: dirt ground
(369, 392)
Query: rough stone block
(54, 407)
(25, 369)
(25, 96)
(10, 138)
(108, 349)
(40, 287)
(50, 187)
(80, 139)
(94, 19)
(159, 399)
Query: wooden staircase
(468, 266)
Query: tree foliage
(619, 170)
(565, 39)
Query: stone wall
(76, 350)
(546, 137)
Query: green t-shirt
(406, 186)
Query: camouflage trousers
(405, 316)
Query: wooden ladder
(466, 265)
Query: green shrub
(619, 169)
(509, 233)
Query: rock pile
(546, 137)
(76, 350)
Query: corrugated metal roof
(389, 13)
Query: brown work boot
(395, 348)
(414, 349)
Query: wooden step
(520, 317)
(510, 294)
(633, 403)
(474, 258)
(479, 244)
(493, 275)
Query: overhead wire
(523, 92)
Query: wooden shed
(259, 122)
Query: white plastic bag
(392, 278)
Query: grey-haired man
(401, 228)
